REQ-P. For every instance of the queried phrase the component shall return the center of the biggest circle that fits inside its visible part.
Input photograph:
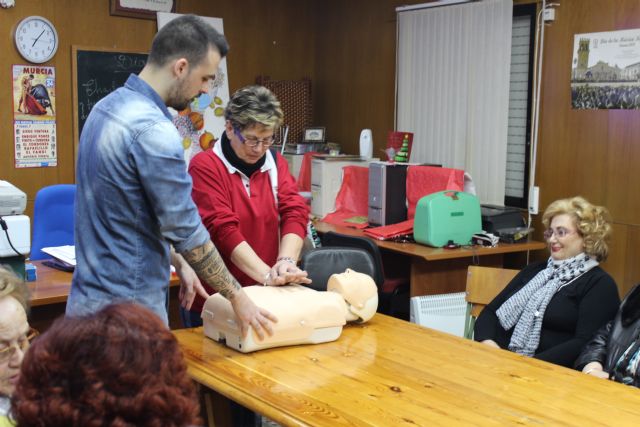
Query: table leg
(216, 409)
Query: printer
(12, 200)
(15, 231)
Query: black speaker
(387, 193)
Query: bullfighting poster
(605, 73)
(202, 123)
(34, 116)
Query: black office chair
(321, 263)
(392, 278)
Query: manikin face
(571, 244)
(194, 81)
(244, 150)
(13, 331)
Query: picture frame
(142, 9)
(315, 134)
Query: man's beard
(177, 99)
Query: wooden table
(389, 372)
(50, 291)
(437, 270)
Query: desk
(437, 270)
(389, 372)
(50, 291)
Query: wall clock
(36, 39)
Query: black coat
(611, 341)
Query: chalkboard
(96, 73)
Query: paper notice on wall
(35, 144)
(605, 70)
(34, 118)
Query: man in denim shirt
(134, 194)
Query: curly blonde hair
(12, 286)
(592, 222)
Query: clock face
(36, 39)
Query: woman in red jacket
(247, 198)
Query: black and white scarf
(525, 309)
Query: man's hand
(251, 315)
(189, 285)
(207, 263)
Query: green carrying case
(447, 216)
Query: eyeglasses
(252, 141)
(559, 232)
(8, 350)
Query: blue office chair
(53, 216)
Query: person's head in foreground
(253, 115)
(15, 334)
(575, 226)
(118, 367)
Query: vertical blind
(518, 102)
(453, 88)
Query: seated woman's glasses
(7, 350)
(560, 233)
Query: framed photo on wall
(315, 135)
(144, 9)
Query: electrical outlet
(549, 14)
(534, 199)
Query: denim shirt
(133, 199)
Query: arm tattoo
(207, 263)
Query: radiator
(446, 312)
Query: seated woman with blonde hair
(551, 309)
(15, 336)
(118, 367)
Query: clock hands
(37, 38)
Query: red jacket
(235, 209)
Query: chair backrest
(337, 239)
(484, 283)
(53, 217)
(321, 263)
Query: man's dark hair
(187, 37)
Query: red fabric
(232, 217)
(389, 231)
(353, 197)
(424, 180)
(304, 177)
(33, 107)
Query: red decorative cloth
(304, 176)
(424, 180)
(352, 199)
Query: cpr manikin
(305, 316)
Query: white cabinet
(326, 179)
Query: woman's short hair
(253, 105)
(12, 286)
(120, 366)
(189, 37)
(593, 223)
